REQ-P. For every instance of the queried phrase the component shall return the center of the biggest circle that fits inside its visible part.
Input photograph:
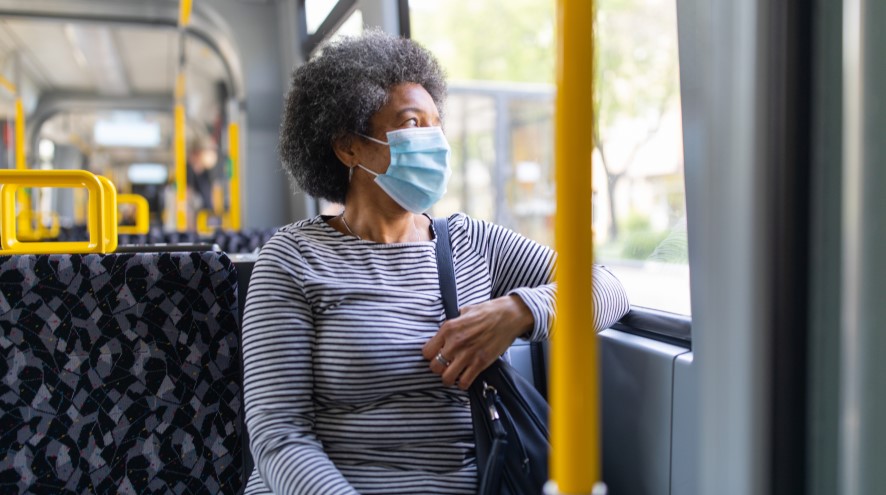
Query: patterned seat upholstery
(120, 373)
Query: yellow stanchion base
(598, 489)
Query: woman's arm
(523, 267)
(522, 302)
(278, 336)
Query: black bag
(510, 416)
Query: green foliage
(674, 248)
(635, 222)
(636, 70)
(640, 244)
(637, 239)
(491, 40)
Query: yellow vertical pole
(184, 13)
(21, 163)
(575, 419)
(181, 170)
(180, 150)
(234, 184)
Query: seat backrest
(531, 361)
(120, 373)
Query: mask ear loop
(372, 139)
(367, 170)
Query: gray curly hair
(337, 93)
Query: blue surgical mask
(419, 169)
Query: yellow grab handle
(98, 197)
(109, 213)
(25, 218)
(142, 214)
(29, 230)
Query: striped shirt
(339, 399)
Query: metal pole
(575, 411)
(234, 184)
(21, 163)
(180, 121)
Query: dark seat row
(243, 241)
(120, 373)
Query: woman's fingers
(433, 346)
(440, 362)
(465, 346)
(469, 360)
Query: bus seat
(531, 363)
(120, 373)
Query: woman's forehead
(408, 97)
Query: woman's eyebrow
(410, 110)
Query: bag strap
(490, 474)
(445, 270)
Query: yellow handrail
(575, 419)
(100, 199)
(109, 213)
(30, 223)
(8, 85)
(142, 214)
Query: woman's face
(409, 105)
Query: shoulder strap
(445, 270)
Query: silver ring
(442, 360)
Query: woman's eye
(413, 122)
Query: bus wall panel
(684, 451)
(637, 391)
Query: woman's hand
(471, 342)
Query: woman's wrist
(522, 321)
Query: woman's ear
(343, 146)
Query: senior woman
(353, 382)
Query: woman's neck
(373, 222)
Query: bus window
(316, 12)
(499, 119)
(353, 26)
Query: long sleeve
(610, 298)
(525, 268)
(278, 336)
